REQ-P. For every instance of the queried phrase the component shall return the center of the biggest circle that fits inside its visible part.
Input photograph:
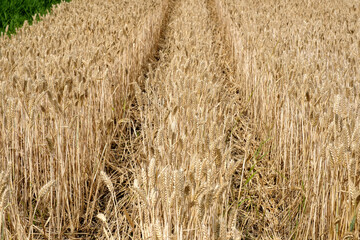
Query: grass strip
(13, 13)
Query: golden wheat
(66, 90)
(286, 54)
(166, 119)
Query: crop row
(297, 66)
(65, 87)
(183, 189)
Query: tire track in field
(253, 184)
(127, 156)
(187, 110)
(241, 133)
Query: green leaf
(249, 179)
(352, 224)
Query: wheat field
(182, 119)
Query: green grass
(15, 12)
